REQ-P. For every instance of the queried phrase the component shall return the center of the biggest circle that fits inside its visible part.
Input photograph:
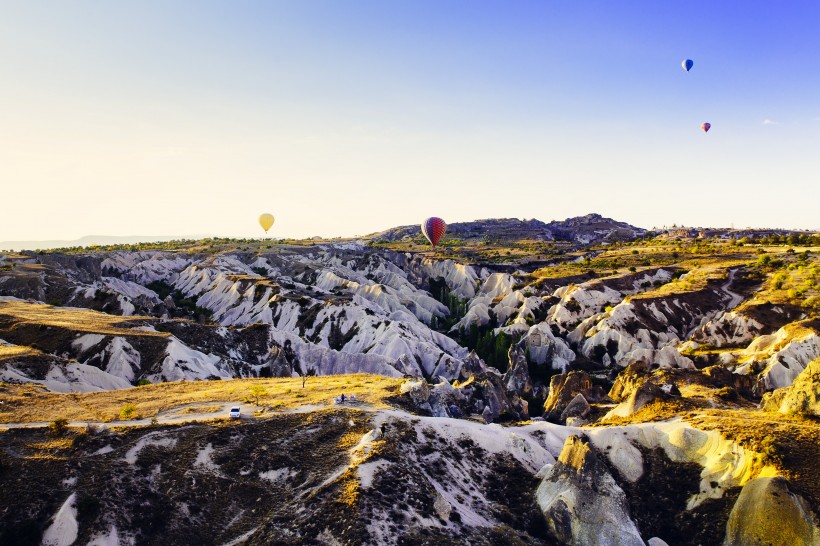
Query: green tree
(257, 391)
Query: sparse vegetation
(35, 404)
(128, 412)
(58, 426)
(79, 320)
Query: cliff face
(346, 308)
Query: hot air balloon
(433, 228)
(705, 127)
(266, 221)
(687, 64)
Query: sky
(342, 118)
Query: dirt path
(736, 298)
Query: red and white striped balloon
(433, 228)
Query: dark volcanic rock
(564, 388)
(579, 407)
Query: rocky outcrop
(721, 377)
(517, 377)
(545, 348)
(577, 410)
(648, 328)
(582, 502)
(483, 394)
(782, 355)
(646, 393)
(731, 329)
(497, 300)
(564, 388)
(349, 307)
(628, 381)
(582, 301)
(97, 350)
(767, 513)
(739, 327)
(801, 397)
(340, 309)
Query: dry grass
(16, 351)
(55, 444)
(349, 487)
(32, 403)
(80, 320)
(52, 449)
(201, 409)
(657, 410)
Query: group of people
(341, 399)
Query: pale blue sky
(347, 117)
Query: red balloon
(705, 127)
(433, 228)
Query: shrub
(257, 391)
(58, 426)
(127, 412)
(768, 448)
(143, 382)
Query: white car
(235, 413)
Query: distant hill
(92, 240)
(592, 228)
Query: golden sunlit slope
(16, 351)
(80, 320)
(31, 403)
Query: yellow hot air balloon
(266, 221)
